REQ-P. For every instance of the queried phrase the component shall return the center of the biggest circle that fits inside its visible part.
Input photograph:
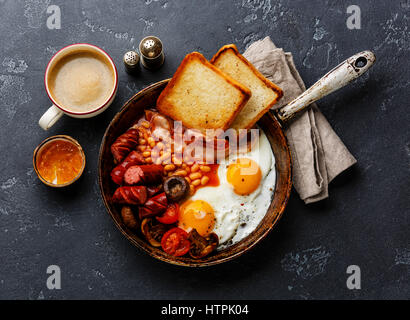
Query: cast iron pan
(271, 123)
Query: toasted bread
(264, 93)
(202, 96)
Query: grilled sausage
(154, 206)
(124, 144)
(134, 158)
(143, 174)
(133, 195)
(153, 190)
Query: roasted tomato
(153, 232)
(202, 246)
(171, 215)
(175, 242)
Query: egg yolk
(197, 215)
(244, 175)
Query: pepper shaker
(131, 61)
(152, 53)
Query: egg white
(237, 216)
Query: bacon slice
(157, 120)
(134, 158)
(143, 174)
(154, 206)
(133, 195)
(124, 144)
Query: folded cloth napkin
(318, 154)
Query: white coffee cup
(57, 110)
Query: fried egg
(197, 214)
(235, 207)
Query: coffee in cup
(81, 80)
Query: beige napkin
(318, 154)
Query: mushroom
(202, 246)
(128, 217)
(153, 232)
(176, 188)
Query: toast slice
(264, 93)
(202, 96)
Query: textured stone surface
(364, 222)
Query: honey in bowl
(59, 161)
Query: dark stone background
(364, 222)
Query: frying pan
(271, 123)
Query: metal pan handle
(335, 79)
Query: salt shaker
(152, 53)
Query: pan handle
(335, 79)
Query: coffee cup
(81, 80)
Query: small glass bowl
(44, 143)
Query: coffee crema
(81, 81)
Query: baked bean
(145, 124)
(195, 175)
(148, 160)
(204, 180)
(166, 157)
(142, 148)
(151, 142)
(196, 182)
(169, 167)
(176, 161)
(188, 180)
(181, 173)
(195, 168)
(205, 168)
(146, 154)
(191, 189)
